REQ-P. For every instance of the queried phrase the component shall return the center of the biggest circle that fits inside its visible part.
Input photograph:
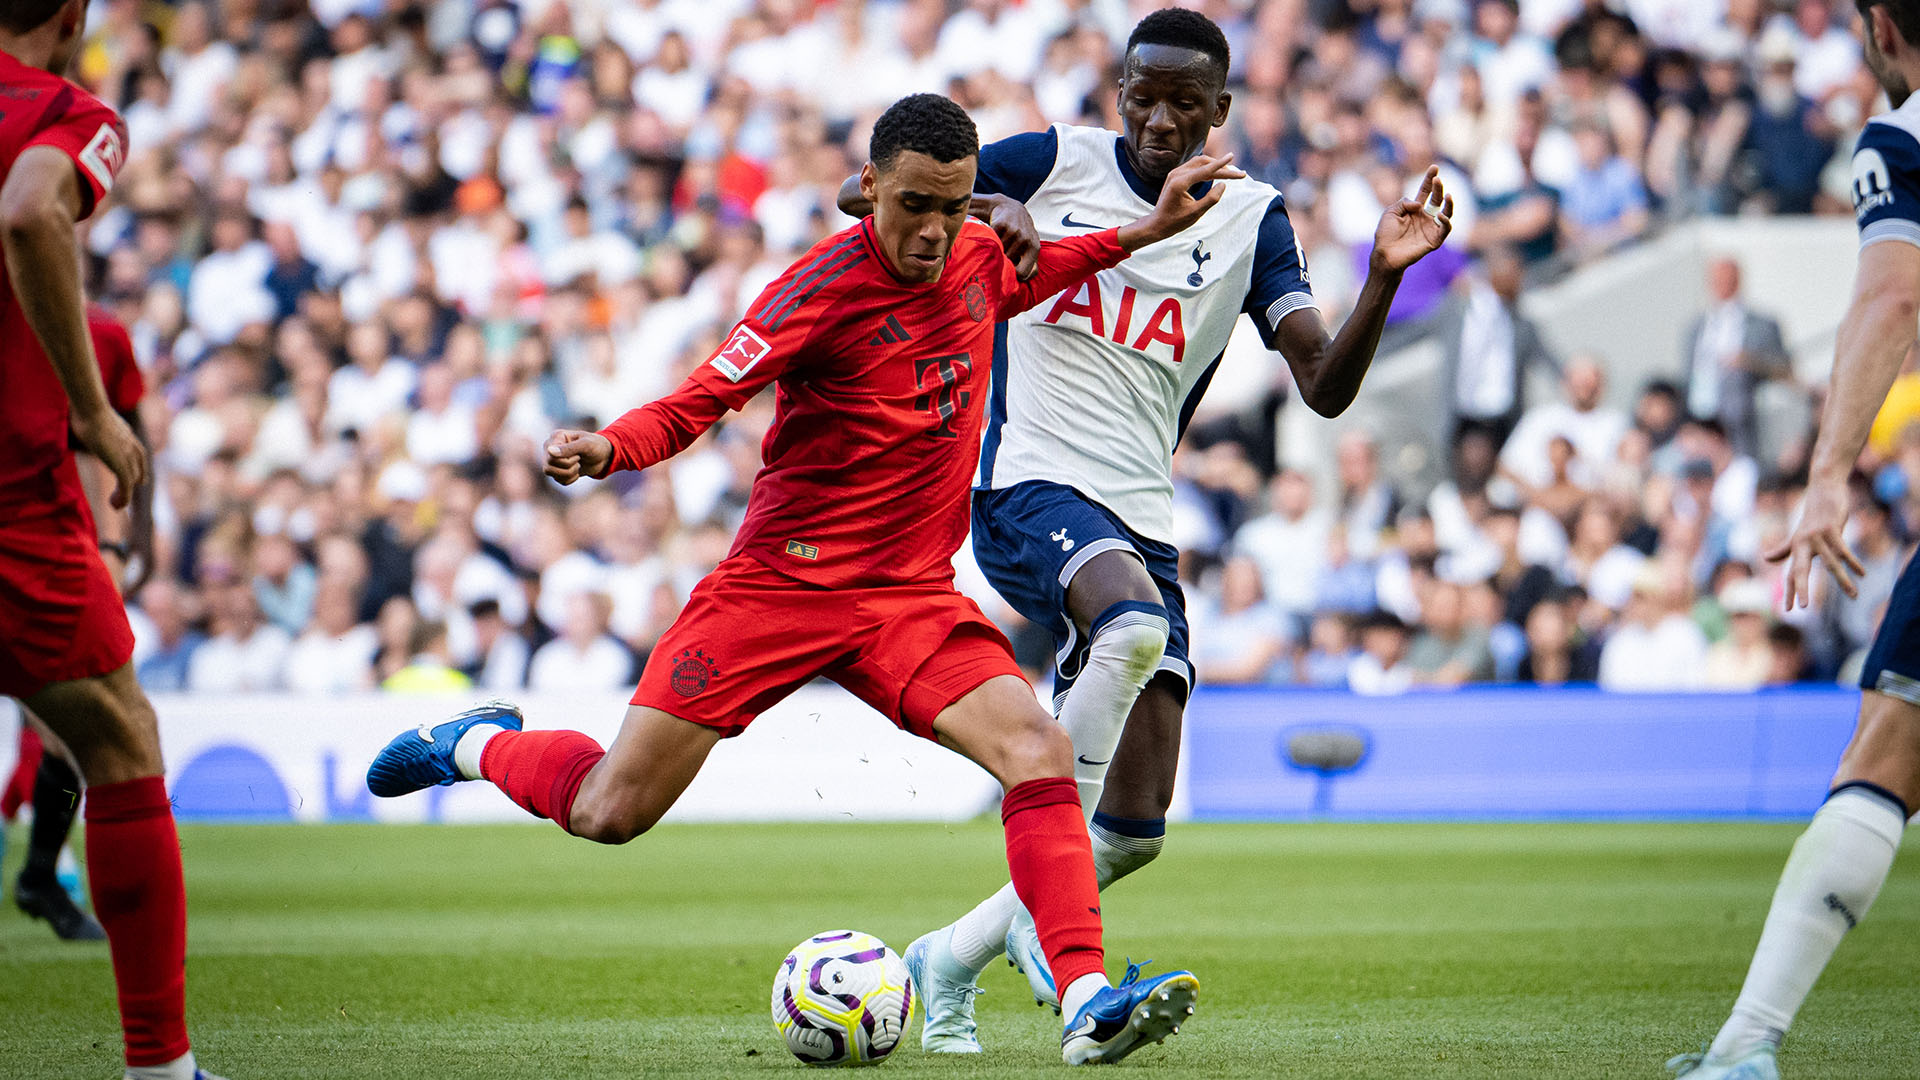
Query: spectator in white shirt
(246, 654)
(1583, 418)
(1656, 646)
(372, 385)
(228, 291)
(1240, 636)
(1381, 667)
(500, 653)
(197, 68)
(335, 654)
(1289, 544)
(583, 657)
(441, 431)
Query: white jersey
(1093, 388)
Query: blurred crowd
(372, 251)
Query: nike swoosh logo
(425, 731)
(1067, 220)
(1084, 761)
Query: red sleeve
(113, 349)
(658, 430)
(1063, 264)
(772, 340)
(78, 125)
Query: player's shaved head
(1179, 28)
(1172, 90)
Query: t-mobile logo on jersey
(938, 379)
(1166, 326)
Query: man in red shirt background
(879, 342)
(64, 638)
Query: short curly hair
(1183, 29)
(926, 123)
(26, 16)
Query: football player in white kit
(1839, 864)
(1073, 504)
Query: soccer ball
(842, 998)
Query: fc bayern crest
(976, 298)
(692, 671)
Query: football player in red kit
(64, 638)
(43, 777)
(879, 342)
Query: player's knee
(110, 728)
(1037, 746)
(1132, 635)
(607, 829)
(609, 824)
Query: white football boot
(1756, 1064)
(947, 989)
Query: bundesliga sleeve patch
(103, 156)
(743, 350)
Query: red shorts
(750, 636)
(60, 616)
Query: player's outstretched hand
(1416, 226)
(109, 438)
(1818, 536)
(574, 454)
(1018, 237)
(1177, 207)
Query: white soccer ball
(842, 998)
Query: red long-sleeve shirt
(882, 387)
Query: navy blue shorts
(1031, 538)
(1893, 664)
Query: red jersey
(113, 349)
(39, 109)
(882, 387)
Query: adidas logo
(892, 333)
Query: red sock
(540, 770)
(19, 789)
(133, 863)
(1052, 864)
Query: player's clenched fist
(574, 454)
(1178, 208)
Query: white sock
(1830, 881)
(981, 934)
(466, 752)
(1081, 991)
(180, 1068)
(1115, 855)
(1125, 653)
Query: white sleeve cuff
(1297, 301)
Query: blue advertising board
(1517, 753)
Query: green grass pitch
(1323, 951)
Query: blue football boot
(423, 757)
(1124, 1018)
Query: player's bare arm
(1874, 337)
(38, 206)
(1330, 369)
